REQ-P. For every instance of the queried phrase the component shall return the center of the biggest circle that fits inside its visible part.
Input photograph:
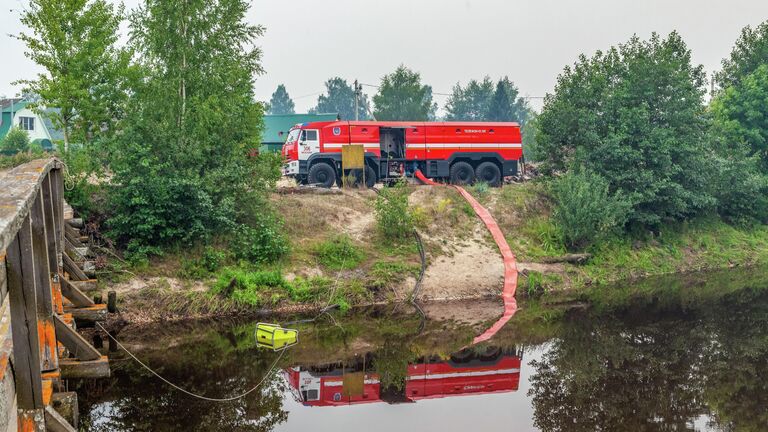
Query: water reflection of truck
(468, 372)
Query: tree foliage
(749, 53)
(181, 170)
(739, 133)
(470, 103)
(402, 96)
(281, 102)
(339, 98)
(484, 101)
(633, 115)
(741, 113)
(84, 73)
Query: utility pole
(358, 91)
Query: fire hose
(510, 265)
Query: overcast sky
(308, 41)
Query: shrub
(15, 141)
(585, 210)
(261, 242)
(393, 217)
(741, 189)
(210, 260)
(84, 172)
(481, 188)
(339, 253)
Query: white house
(15, 113)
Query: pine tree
(505, 104)
(281, 102)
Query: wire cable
(185, 391)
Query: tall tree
(180, 165)
(739, 132)
(470, 103)
(74, 43)
(750, 51)
(339, 98)
(635, 116)
(281, 102)
(741, 112)
(402, 96)
(505, 105)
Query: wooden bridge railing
(37, 336)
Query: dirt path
(475, 269)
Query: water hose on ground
(510, 265)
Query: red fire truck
(459, 152)
(494, 371)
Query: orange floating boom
(510, 265)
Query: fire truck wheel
(462, 173)
(370, 177)
(488, 172)
(322, 174)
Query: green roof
(276, 127)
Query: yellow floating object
(275, 337)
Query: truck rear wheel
(322, 175)
(488, 172)
(462, 173)
(370, 177)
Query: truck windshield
(293, 135)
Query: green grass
(386, 273)
(339, 253)
(257, 288)
(702, 244)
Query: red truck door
(416, 142)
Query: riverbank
(338, 257)
(524, 213)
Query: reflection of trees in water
(391, 363)
(737, 368)
(659, 374)
(216, 367)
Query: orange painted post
(44, 290)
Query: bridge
(41, 299)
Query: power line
(451, 94)
(308, 95)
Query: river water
(685, 355)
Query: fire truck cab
(458, 152)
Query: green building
(276, 128)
